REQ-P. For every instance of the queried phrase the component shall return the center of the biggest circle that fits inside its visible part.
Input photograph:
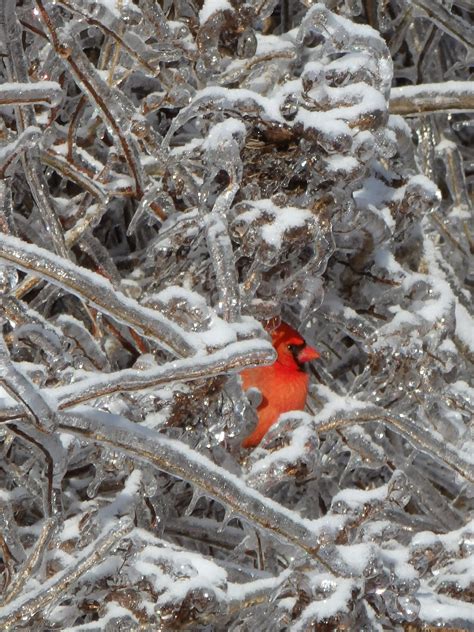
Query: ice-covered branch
(457, 28)
(179, 460)
(96, 290)
(175, 179)
(53, 590)
(422, 439)
(225, 138)
(234, 357)
(17, 72)
(449, 96)
(44, 92)
(111, 106)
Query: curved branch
(178, 459)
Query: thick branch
(177, 459)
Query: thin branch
(44, 92)
(449, 96)
(435, 446)
(34, 559)
(100, 94)
(52, 591)
(17, 71)
(97, 291)
(459, 29)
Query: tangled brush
(175, 178)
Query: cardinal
(284, 384)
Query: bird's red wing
(267, 415)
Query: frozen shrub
(173, 176)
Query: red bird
(284, 384)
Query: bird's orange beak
(307, 354)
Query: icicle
(196, 497)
